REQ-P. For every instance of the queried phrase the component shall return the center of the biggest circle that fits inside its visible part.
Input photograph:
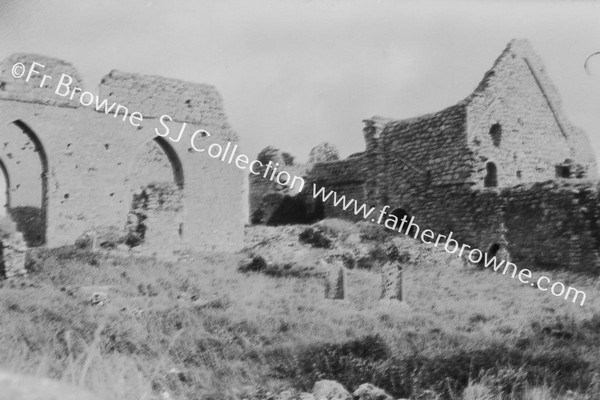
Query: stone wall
(262, 208)
(554, 224)
(471, 169)
(87, 165)
(515, 121)
(349, 181)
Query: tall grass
(464, 333)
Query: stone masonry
(71, 169)
(503, 169)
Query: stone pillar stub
(13, 254)
(335, 281)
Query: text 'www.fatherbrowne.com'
(474, 255)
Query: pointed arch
(173, 159)
(31, 221)
(6, 177)
(156, 196)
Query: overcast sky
(297, 73)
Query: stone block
(335, 281)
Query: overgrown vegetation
(202, 329)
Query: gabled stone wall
(87, 165)
(503, 170)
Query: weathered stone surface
(330, 390)
(323, 152)
(98, 299)
(13, 255)
(503, 170)
(22, 387)
(73, 169)
(392, 282)
(366, 391)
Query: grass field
(464, 333)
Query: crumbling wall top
(155, 96)
(12, 88)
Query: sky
(294, 74)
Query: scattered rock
(366, 391)
(108, 237)
(122, 248)
(330, 390)
(254, 263)
(286, 395)
(98, 299)
(133, 311)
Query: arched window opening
(491, 177)
(496, 134)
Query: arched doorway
(400, 213)
(4, 190)
(25, 168)
(491, 176)
(156, 182)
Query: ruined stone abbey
(503, 169)
(70, 169)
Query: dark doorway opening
(491, 176)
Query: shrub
(316, 237)
(254, 263)
(374, 232)
(30, 222)
(346, 257)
